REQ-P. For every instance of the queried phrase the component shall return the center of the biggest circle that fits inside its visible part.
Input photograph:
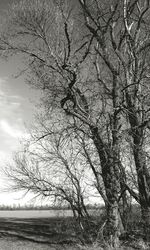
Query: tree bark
(110, 174)
(145, 211)
(112, 225)
(143, 175)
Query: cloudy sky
(16, 113)
(17, 109)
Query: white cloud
(15, 109)
(3, 156)
(11, 114)
(17, 104)
(11, 130)
(3, 79)
(2, 94)
(5, 90)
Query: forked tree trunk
(110, 175)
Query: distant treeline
(41, 207)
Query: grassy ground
(36, 234)
(58, 234)
(13, 244)
(42, 230)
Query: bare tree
(50, 171)
(70, 74)
(92, 61)
(127, 32)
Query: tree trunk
(125, 205)
(114, 225)
(144, 188)
(112, 230)
(110, 175)
(145, 211)
(143, 174)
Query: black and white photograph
(74, 124)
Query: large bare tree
(92, 61)
(123, 38)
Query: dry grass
(14, 244)
(11, 244)
(62, 234)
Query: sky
(17, 108)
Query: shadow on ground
(41, 230)
(54, 233)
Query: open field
(52, 213)
(46, 230)
(37, 233)
(36, 230)
(35, 213)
